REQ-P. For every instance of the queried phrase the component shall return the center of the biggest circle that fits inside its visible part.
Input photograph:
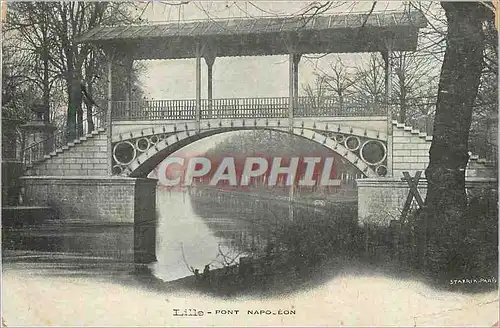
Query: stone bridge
(137, 147)
(100, 177)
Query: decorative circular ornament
(154, 139)
(124, 153)
(352, 143)
(142, 144)
(339, 137)
(373, 152)
(117, 169)
(381, 170)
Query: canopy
(340, 33)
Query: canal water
(195, 228)
(208, 227)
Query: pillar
(128, 84)
(388, 99)
(296, 60)
(290, 90)
(198, 87)
(110, 58)
(209, 60)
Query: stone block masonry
(410, 151)
(87, 158)
(100, 201)
(381, 200)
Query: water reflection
(183, 238)
(194, 228)
(200, 227)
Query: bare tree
(340, 82)
(316, 94)
(413, 77)
(370, 79)
(47, 32)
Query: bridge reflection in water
(208, 226)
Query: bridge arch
(144, 162)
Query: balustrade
(227, 108)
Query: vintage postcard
(249, 163)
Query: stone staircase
(411, 130)
(66, 147)
(477, 167)
(87, 155)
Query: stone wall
(410, 152)
(100, 201)
(381, 200)
(11, 172)
(88, 158)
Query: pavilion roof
(339, 33)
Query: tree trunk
(460, 76)
(74, 126)
(402, 109)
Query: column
(388, 96)
(290, 90)
(296, 60)
(209, 60)
(198, 86)
(110, 59)
(128, 85)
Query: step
(66, 147)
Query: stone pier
(93, 202)
(381, 200)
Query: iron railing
(62, 137)
(271, 107)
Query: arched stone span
(148, 160)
